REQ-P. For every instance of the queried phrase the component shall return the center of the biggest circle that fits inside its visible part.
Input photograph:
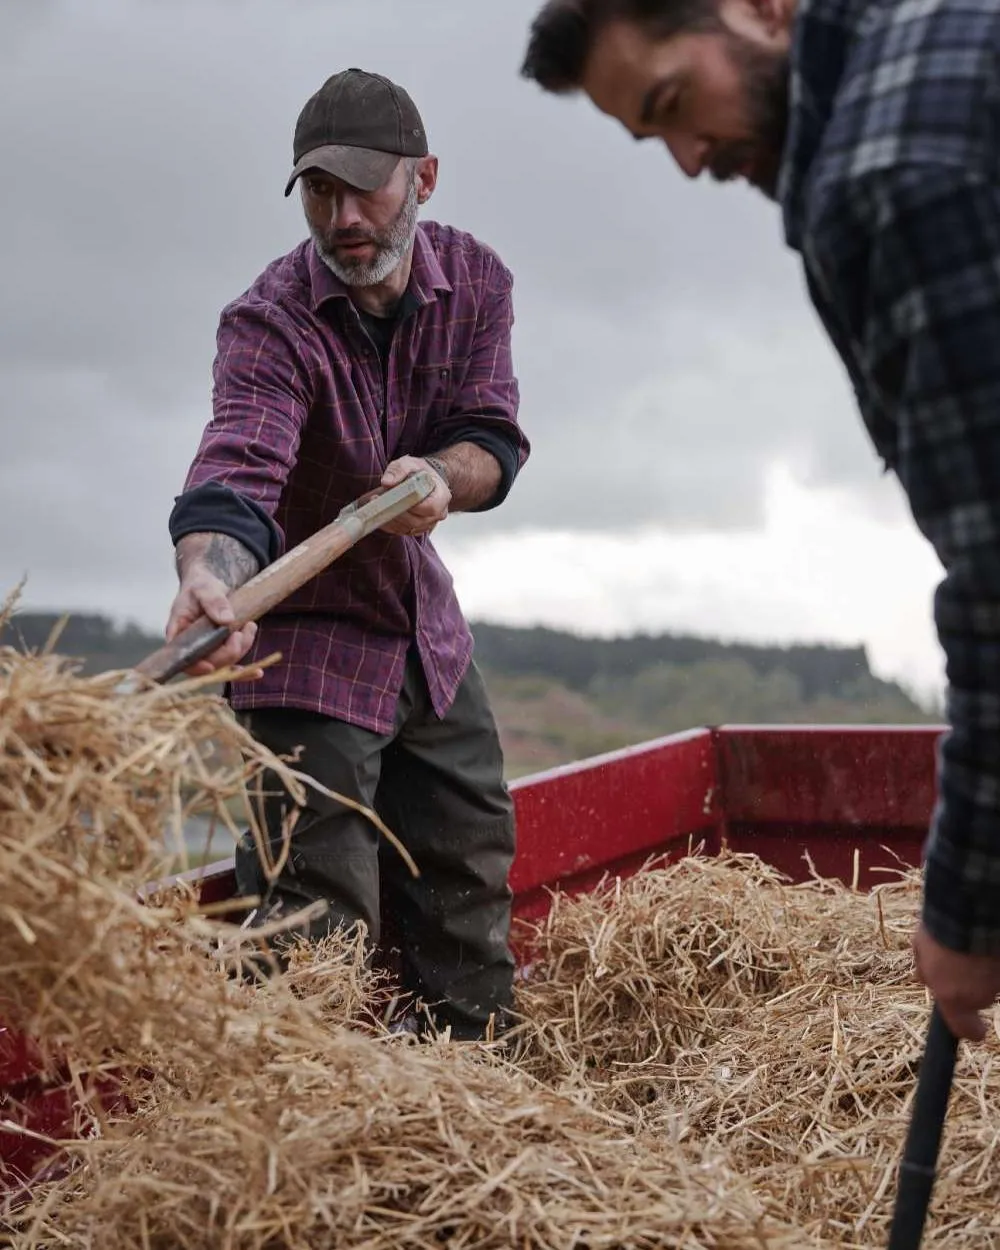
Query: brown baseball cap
(357, 127)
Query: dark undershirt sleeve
(502, 450)
(216, 509)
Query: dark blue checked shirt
(890, 190)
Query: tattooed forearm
(472, 473)
(224, 557)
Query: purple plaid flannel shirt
(302, 425)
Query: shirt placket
(388, 377)
(390, 372)
(378, 379)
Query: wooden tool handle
(275, 583)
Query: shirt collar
(427, 278)
(822, 34)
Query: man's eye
(669, 106)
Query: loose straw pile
(776, 1026)
(705, 1057)
(95, 789)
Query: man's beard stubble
(391, 246)
(765, 82)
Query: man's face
(362, 236)
(717, 99)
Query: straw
(704, 1056)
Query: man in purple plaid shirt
(376, 348)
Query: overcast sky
(697, 460)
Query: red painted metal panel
(216, 882)
(858, 799)
(845, 775)
(612, 812)
(18, 1058)
(865, 857)
(46, 1110)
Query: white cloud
(818, 571)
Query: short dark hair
(563, 34)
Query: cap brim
(363, 168)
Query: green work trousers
(438, 785)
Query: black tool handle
(923, 1140)
(195, 643)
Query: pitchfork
(277, 581)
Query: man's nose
(345, 211)
(690, 154)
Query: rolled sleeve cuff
(505, 451)
(216, 509)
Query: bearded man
(377, 348)
(874, 125)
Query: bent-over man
(874, 127)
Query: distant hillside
(560, 697)
(96, 640)
(580, 661)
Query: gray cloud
(666, 351)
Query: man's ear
(427, 174)
(773, 17)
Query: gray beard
(392, 247)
